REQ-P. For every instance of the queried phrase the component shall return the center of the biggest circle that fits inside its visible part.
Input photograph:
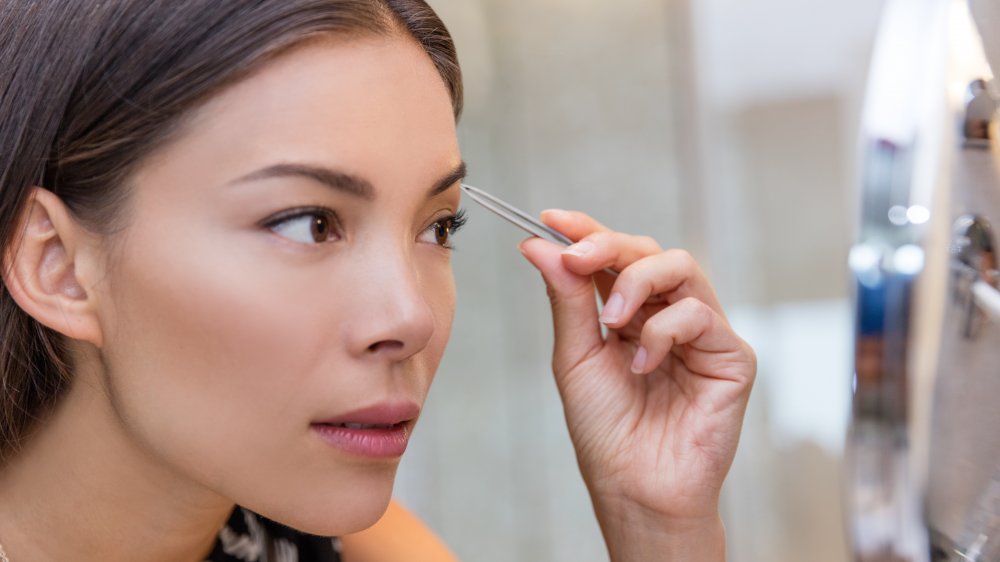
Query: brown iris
(442, 231)
(320, 229)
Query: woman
(226, 232)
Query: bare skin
(232, 315)
(655, 409)
(208, 338)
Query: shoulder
(399, 535)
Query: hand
(654, 409)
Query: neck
(82, 489)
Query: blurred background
(728, 128)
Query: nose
(392, 318)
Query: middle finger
(672, 276)
(607, 250)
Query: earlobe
(40, 269)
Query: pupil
(442, 233)
(320, 229)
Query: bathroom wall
(723, 127)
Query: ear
(41, 269)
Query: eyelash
(452, 223)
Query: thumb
(574, 304)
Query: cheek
(210, 329)
(217, 363)
(441, 297)
(219, 358)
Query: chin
(342, 508)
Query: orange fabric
(399, 535)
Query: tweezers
(519, 218)
(516, 216)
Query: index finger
(597, 247)
(573, 224)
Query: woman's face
(285, 265)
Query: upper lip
(381, 413)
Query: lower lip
(373, 443)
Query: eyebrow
(341, 181)
(456, 175)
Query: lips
(382, 413)
(350, 425)
(378, 431)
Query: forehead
(372, 106)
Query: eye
(440, 232)
(307, 226)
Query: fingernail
(613, 309)
(639, 361)
(579, 249)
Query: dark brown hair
(89, 89)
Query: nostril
(386, 346)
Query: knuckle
(627, 279)
(683, 259)
(659, 326)
(639, 278)
(697, 309)
(649, 243)
(661, 329)
(622, 237)
(600, 239)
